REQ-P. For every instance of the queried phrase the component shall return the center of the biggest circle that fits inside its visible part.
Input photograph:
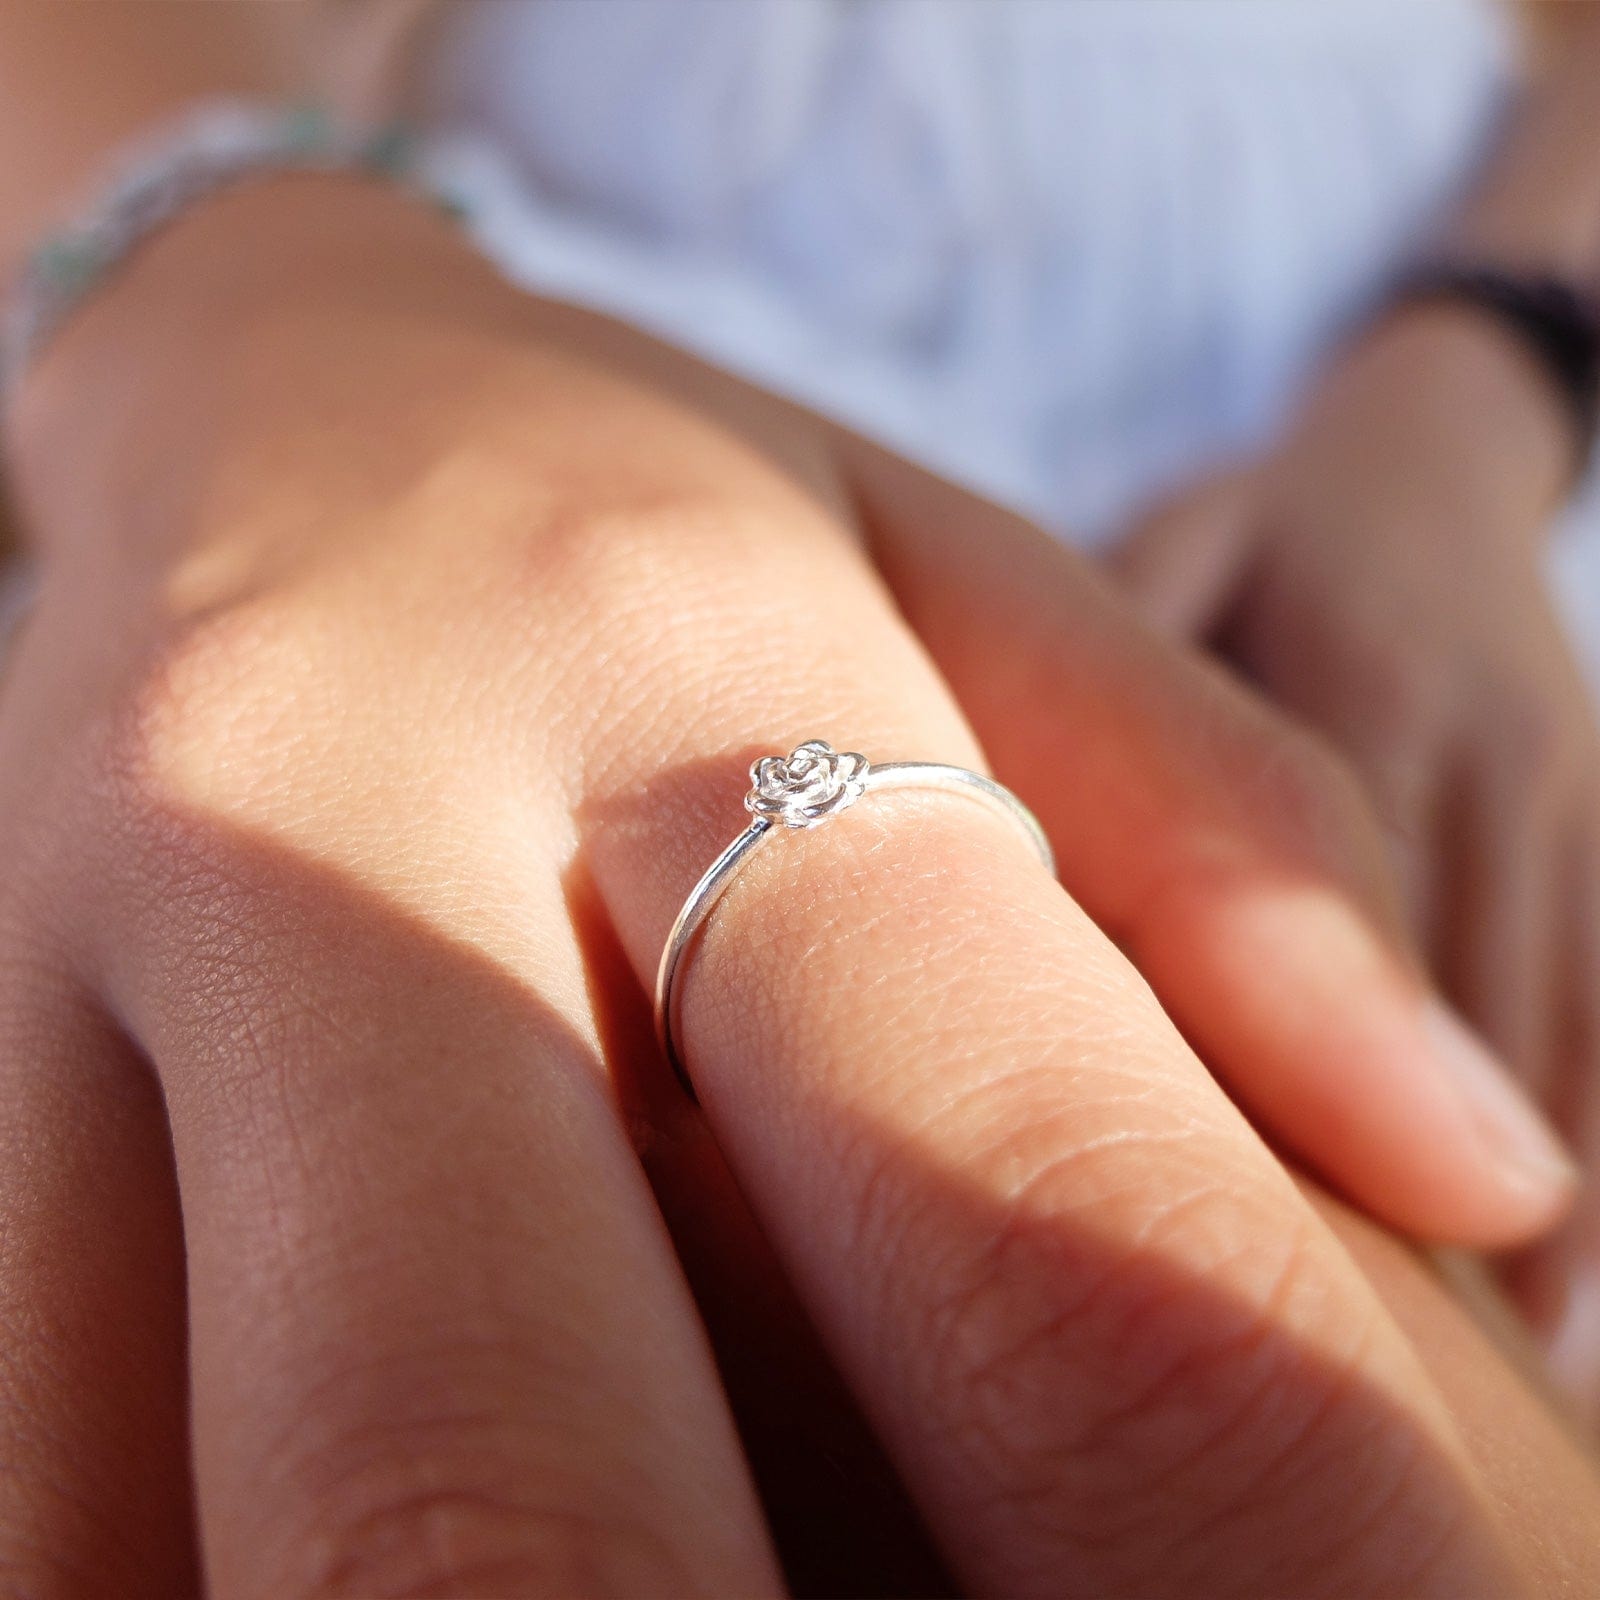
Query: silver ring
(807, 787)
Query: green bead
(69, 264)
(390, 150)
(305, 127)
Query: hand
(1381, 578)
(397, 661)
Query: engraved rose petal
(770, 776)
(814, 781)
(812, 753)
(812, 785)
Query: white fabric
(1068, 251)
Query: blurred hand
(1381, 577)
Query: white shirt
(1066, 250)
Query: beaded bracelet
(211, 147)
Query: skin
(342, 861)
(400, 647)
(1380, 575)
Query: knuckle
(441, 1495)
(200, 721)
(142, 749)
(436, 1540)
(1315, 807)
(1118, 1403)
(658, 610)
(248, 767)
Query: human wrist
(1478, 421)
(309, 357)
(268, 313)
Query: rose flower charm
(813, 782)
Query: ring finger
(1103, 1337)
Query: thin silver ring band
(807, 787)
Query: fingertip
(1527, 1162)
(1361, 1073)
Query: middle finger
(439, 1343)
